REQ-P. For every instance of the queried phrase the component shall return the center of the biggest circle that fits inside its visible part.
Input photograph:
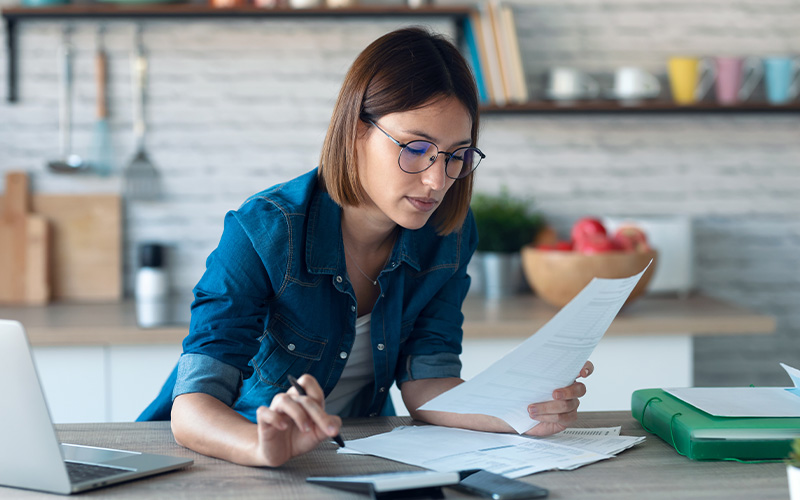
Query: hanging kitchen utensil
(141, 179)
(101, 155)
(69, 162)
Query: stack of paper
(447, 449)
(551, 358)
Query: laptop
(31, 456)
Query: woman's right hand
(293, 424)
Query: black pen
(302, 392)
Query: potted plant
(505, 224)
(793, 470)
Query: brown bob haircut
(401, 71)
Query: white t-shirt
(358, 372)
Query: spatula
(141, 179)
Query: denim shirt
(276, 299)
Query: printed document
(549, 359)
(447, 449)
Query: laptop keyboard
(84, 472)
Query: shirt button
(381, 347)
(382, 389)
(343, 355)
(291, 347)
(353, 308)
(338, 279)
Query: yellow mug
(690, 78)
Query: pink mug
(737, 78)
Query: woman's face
(397, 197)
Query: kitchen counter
(93, 353)
(61, 324)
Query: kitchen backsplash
(236, 106)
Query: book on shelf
(493, 70)
(500, 46)
(520, 94)
(493, 52)
(473, 40)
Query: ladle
(69, 162)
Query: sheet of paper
(447, 449)
(745, 401)
(740, 401)
(549, 359)
(604, 440)
(794, 374)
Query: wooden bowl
(557, 276)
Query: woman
(350, 277)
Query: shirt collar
(324, 251)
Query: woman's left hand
(553, 416)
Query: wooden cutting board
(86, 234)
(24, 247)
(87, 245)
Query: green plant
(505, 224)
(794, 454)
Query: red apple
(630, 239)
(585, 228)
(562, 245)
(596, 243)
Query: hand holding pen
(294, 423)
(302, 392)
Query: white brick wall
(235, 106)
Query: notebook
(31, 456)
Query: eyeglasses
(418, 156)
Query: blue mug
(782, 79)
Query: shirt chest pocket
(285, 349)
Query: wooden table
(651, 470)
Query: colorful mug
(737, 78)
(690, 78)
(782, 78)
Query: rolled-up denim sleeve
(433, 349)
(421, 366)
(201, 373)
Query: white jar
(152, 287)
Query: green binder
(700, 436)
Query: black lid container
(151, 255)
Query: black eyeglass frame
(447, 155)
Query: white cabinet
(137, 374)
(102, 383)
(74, 380)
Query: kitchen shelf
(459, 14)
(13, 15)
(646, 107)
